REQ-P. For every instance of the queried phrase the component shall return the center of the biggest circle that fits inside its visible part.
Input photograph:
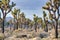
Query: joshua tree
(39, 21)
(31, 24)
(22, 19)
(35, 21)
(15, 14)
(28, 22)
(45, 21)
(10, 23)
(53, 5)
(5, 8)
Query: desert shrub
(2, 36)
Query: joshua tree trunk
(10, 26)
(3, 24)
(3, 27)
(46, 27)
(17, 25)
(35, 27)
(21, 25)
(14, 24)
(56, 29)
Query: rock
(36, 38)
(44, 35)
(21, 36)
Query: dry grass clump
(2, 36)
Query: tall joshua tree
(53, 6)
(5, 8)
(35, 21)
(15, 14)
(22, 19)
(45, 21)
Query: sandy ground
(27, 34)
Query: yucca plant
(31, 24)
(45, 20)
(35, 21)
(22, 19)
(53, 5)
(39, 21)
(15, 14)
(5, 7)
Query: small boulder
(36, 38)
(21, 36)
(43, 35)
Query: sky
(30, 7)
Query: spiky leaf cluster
(15, 12)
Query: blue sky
(30, 7)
